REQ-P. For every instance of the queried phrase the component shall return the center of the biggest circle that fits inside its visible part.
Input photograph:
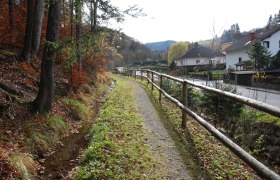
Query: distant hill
(160, 46)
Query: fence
(157, 81)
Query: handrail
(260, 168)
(244, 100)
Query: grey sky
(185, 20)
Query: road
(268, 96)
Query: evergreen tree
(274, 22)
(231, 34)
(260, 56)
(278, 18)
(275, 63)
(269, 22)
(237, 28)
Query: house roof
(200, 51)
(244, 42)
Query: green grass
(80, 108)
(252, 116)
(117, 149)
(58, 124)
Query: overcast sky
(185, 20)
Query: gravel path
(171, 165)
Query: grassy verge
(117, 149)
(217, 161)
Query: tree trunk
(38, 20)
(12, 15)
(43, 102)
(93, 14)
(71, 16)
(78, 32)
(28, 31)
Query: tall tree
(71, 2)
(93, 14)
(12, 15)
(278, 17)
(231, 34)
(38, 19)
(28, 31)
(78, 10)
(176, 50)
(260, 56)
(43, 101)
(269, 22)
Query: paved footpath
(171, 165)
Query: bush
(221, 107)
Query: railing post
(160, 85)
(135, 71)
(185, 103)
(152, 81)
(141, 71)
(148, 77)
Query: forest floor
(29, 142)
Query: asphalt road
(268, 96)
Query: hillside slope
(160, 46)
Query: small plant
(81, 109)
(259, 75)
(259, 144)
(24, 163)
(58, 124)
(221, 107)
(39, 142)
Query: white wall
(218, 60)
(192, 61)
(274, 43)
(232, 58)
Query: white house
(237, 53)
(200, 56)
(121, 69)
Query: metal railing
(260, 168)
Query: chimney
(252, 36)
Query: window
(266, 44)
(197, 61)
(239, 59)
